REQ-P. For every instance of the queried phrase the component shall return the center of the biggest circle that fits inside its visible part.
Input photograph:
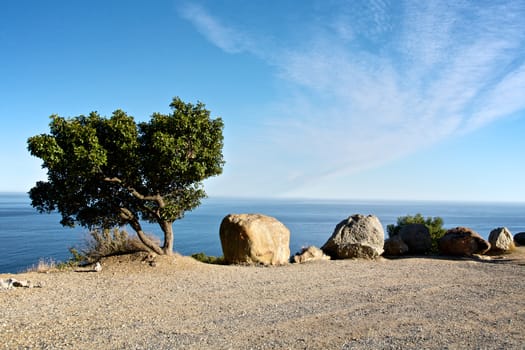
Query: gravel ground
(179, 303)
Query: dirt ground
(175, 302)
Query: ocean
(27, 236)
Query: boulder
(519, 238)
(254, 239)
(310, 253)
(501, 240)
(394, 246)
(358, 236)
(416, 237)
(462, 241)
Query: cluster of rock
(261, 239)
(411, 239)
(10, 283)
(414, 239)
(458, 241)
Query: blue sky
(321, 99)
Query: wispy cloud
(220, 34)
(379, 80)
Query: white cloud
(373, 89)
(218, 33)
(505, 98)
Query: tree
(103, 173)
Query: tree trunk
(167, 228)
(148, 243)
(154, 248)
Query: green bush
(434, 225)
(202, 257)
(76, 259)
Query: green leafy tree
(102, 173)
(434, 225)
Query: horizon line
(340, 200)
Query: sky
(327, 99)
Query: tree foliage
(434, 225)
(106, 172)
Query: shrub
(434, 225)
(102, 243)
(43, 266)
(202, 257)
(99, 244)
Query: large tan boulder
(462, 241)
(501, 240)
(254, 239)
(358, 236)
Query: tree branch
(157, 198)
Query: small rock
(5, 284)
(12, 282)
(310, 253)
(482, 257)
(23, 284)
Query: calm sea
(27, 236)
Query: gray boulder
(519, 238)
(462, 241)
(358, 236)
(416, 237)
(501, 240)
(254, 239)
